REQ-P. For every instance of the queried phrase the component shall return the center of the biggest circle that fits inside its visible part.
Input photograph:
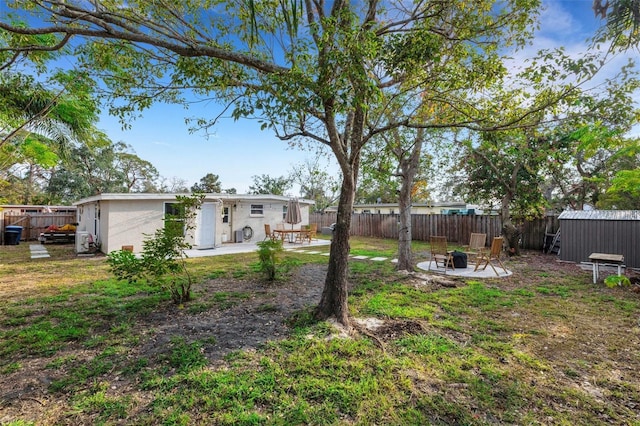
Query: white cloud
(555, 19)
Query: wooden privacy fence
(456, 228)
(35, 223)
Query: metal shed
(600, 231)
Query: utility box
(239, 236)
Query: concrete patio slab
(233, 248)
(465, 272)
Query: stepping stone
(314, 252)
(325, 254)
(379, 259)
(38, 251)
(361, 257)
(40, 255)
(394, 260)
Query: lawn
(543, 346)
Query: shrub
(616, 280)
(268, 254)
(163, 258)
(125, 265)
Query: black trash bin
(16, 229)
(11, 238)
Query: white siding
(126, 218)
(128, 222)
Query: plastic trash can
(15, 228)
(11, 238)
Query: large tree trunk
(333, 302)
(405, 254)
(512, 236)
(510, 231)
(408, 170)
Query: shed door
(206, 226)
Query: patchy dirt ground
(247, 322)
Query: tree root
(363, 330)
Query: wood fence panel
(322, 219)
(35, 223)
(456, 228)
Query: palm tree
(39, 124)
(623, 20)
(28, 107)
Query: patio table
(282, 234)
(605, 258)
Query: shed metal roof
(600, 215)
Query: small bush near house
(163, 259)
(268, 253)
(124, 265)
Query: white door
(205, 237)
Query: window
(225, 215)
(284, 212)
(366, 211)
(392, 211)
(257, 210)
(173, 218)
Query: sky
(238, 150)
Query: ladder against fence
(457, 228)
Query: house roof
(600, 215)
(171, 197)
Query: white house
(117, 220)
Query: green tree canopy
(315, 182)
(265, 184)
(99, 166)
(209, 183)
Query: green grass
(394, 301)
(184, 356)
(515, 350)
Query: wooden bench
(605, 259)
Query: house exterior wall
(123, 219)
(85, 212)
(579, 237)
(128, 222)
(273, 214)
